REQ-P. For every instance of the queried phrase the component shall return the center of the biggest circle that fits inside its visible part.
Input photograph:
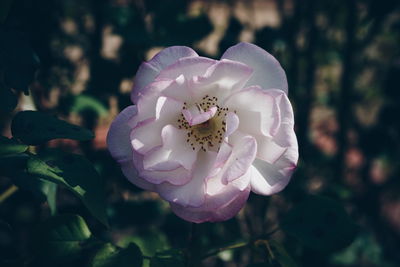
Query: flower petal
(192, 193)
(220, 79)
(222, 203)
(131, 173)
(241, 158)
(118, 135)
(120, 148)
(268, 179)
(232, 123)
(224, 152)
(272, 178)
(148, 101)
(178, 176)
(188, 67)
(257, 110)
(195, 116)
(149, 70)
(268, 73)
(174, 153)
(147, 135)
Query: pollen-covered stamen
(207, 135)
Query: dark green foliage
(149, 241)
(109, 256)
(320, 223)
(45, 191)
(34, 128)
(61, 237)
(77, 174)
(11, 146)
(168, 258)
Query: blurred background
(342, 60)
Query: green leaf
(34, 128)
(77, 174)
(42, 189)
(168, 258)
(61, 237)
(11, 146)
(321, 224)
(15, 167)
(110, 256)
(8, 100)
(149, 241)
(5, 6)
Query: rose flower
(203, 133)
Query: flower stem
(218, 250)
(191, 257)
(6, 194)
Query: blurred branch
(346, 88)
(308, 97)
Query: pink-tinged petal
(192, 193)
(177, 176)
(232, 123)
(268, 150)
(204, 214)
(274, 174)
(241, 158)
(257, 110)
(194, 115)
(188, 67)
(149, 70)
(118, 135)
(119, 145)
(131, 173)
(147, 101)
(222, 202)
(147, 135)
(285, 136)
(268, 73)
(221, 79)
(174, 153)
(224, 152)
(268, 179)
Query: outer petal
(268, 73)
(177, 176)
(147, 102)
(118, 135)
(270, 178)
(222, 203)
(188, 67)
(149, 70)
(192, 193)
(257, 110)
(120, 148)
(221, 79)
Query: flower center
(209, 134)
